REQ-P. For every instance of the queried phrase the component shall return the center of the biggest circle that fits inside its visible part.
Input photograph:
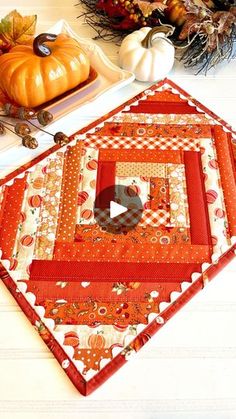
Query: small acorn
(29, 142)
(44, 117)
(16, 112)
(25, 114)
(61, 138)
(22, 129)
(10, 110)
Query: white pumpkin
(148, 53)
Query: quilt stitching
(171, 240)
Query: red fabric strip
(105, 179)
(111, 271)
(199, 219)
(11, 216)
(146, 106)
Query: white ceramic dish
(109, 78)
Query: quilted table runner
(97, 285)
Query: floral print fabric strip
(49, 211)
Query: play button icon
(118, 209)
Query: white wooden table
(188, 370)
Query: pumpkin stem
(40, 49)
(166, 29)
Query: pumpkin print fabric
(95, 297)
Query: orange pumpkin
(27, 240)
(96, 341)
(38, 182)
(71, 339)
(35, 201)
(32, 75)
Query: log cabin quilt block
(97, 287)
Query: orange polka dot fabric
(68, 204)
(143, 169)
(182, 253)
(96, 297)
(136, 155)
(11, 215)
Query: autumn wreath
(205, 30)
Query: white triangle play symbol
(116, 209)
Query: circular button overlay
(118, 209)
